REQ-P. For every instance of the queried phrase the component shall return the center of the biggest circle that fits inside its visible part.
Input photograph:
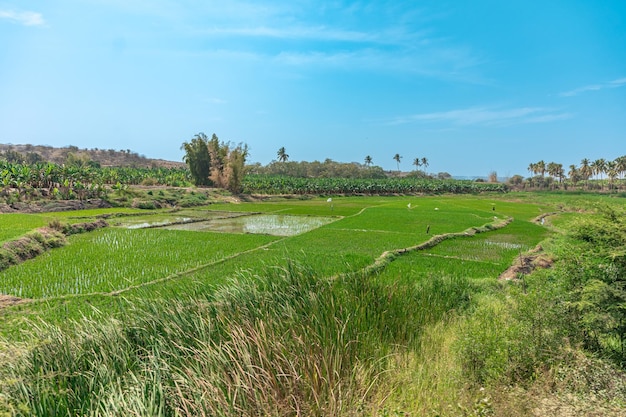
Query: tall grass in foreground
(285, 343)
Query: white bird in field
(409, 205)
(330, 200)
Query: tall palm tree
(621, 165)
(417, 162)
(555, 170)
(532, 168)
(541, 168)
(559, 172)
(425, 162)
(585, 170)
(573, 174)
(282, 155)
(397, 158)
(599, 167)
(612, 172)
(368, 160)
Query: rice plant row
(113, 259)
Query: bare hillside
(105, 157)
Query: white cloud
(620, 82)
(322, 33)
(484, 116)
(24, 18)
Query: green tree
(541, 168)
(368, 160)
(599, 167)
(417, 162)
(397, 158)
(621, 165)
(555, 170)
(198, 159)
(235, 170)
(612, 172)
(585, 170)
(425, 162)
(573, 174)
(227, 163)
(282, 155)
(597, 273)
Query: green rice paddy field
(145, 254)
(372, 306)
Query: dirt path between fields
(9, 300)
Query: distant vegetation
(72, 155)
(266, 184)
(216, 163)
(598, 174)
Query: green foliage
(596, 271)
(259, 184)
(212, 162)
(282, 343)
(316, 169)
(198, 159)
(77, 181)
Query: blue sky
(474, 87)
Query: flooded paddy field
(226, 222)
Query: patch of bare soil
(527, 263)
(9, 300)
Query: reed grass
(282, 343)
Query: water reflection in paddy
(270, 224)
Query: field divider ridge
(390, 255)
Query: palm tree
(555, 170)
(368, 160)
(573, 174)
(282, 155)
(397, 158)
(585, 170)
(417, 162)
(612, 172)
(599, 167)
(425, 162)
(541, 168)
(621, 165)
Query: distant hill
(104, 157)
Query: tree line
(599, 169)
(333, 169)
